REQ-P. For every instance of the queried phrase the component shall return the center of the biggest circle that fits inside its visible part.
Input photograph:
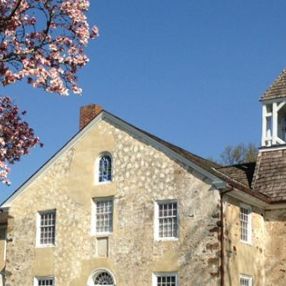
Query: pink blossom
(16, 137)
(58, 44)
(48, 51)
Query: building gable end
(138, 134)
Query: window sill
(167, 239)
(103, 183)
(45, 246)
(101, 235)
(246, 242)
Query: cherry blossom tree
(43, 42)
(16, 137)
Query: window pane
(103, 278)
(245, 281)
(46, 282)
(103, 217)
(167, 219)
(105, 169)
(166, 280)
(47, 228)
(244, 224)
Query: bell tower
(270, 176)
(274, 113)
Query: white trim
(155, 275)
(156, 220)
(124, 126)
(279, 140)
(249, 278)
(99, 270)
(38, 229)
(272, 148)
(270, 137)
(274, 123)
(247, 198)
(269, 101)
(96, 168)
(264, 111)
(250, 200)
(249, 223)
(93, 216)
(280, 105)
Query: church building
(119, 206)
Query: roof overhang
(271, 100)
(247, 198)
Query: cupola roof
(277, 89)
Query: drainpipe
(222, 193)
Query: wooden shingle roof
(270, 174)
(242, 173)
(277, 89)
(267, 182)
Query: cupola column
(273, 123)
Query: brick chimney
(87, 113)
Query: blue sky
(190, 72)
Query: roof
(198, 163)
(239, 176)
(270, 174)
(242, 173)
(267, 183)
(277, 89)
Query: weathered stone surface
(141, 176)
(270, 174)
(241, 257)
(275, 255)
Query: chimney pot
(87, 113)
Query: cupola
(274, 113)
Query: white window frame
(37, 279)
(94, 220)
(156, 220)
(162, 274)
(97, 161)
(90, 281)
(249, 223)
(248, 278)
(38, 228)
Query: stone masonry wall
(275, 266)
(241, 257)
(141, 176)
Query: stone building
(120, 206)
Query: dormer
(274, 113)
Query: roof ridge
(168, 144)
(237, 165)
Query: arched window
(103, 278)
(104, 168)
